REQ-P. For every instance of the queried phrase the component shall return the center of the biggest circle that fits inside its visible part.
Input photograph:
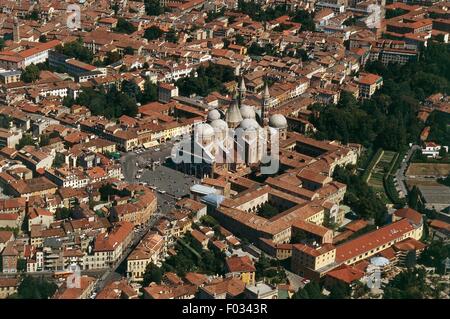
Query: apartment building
(149, 250)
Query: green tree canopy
(209, 79)
(30, 74)
(59, 160)
(152, 274)
(26, 139)
(36, 288)
(76, 50)
(124, 26)
(153, 33)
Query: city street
(119, 269)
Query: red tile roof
(346, 274)
(240, 264)
(372, 240)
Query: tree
(445, 181)
(107, 191)
(21, 265)
(111, 104)
(360, 197)
(311, 290)
(5, 121)
(298, 237)
(124, 26)
(128, 51)
(59, 160)
(152, 274)
(112, 57)
(305, 18)
(34, 15)
(44, 140)
(209, 221)
(171, 36)
(131, 89)
(255, 11)
(30, 74)
(76, 50)
(209, 79)
(42, 38)
(153, 33)
(409, 284)
(339, 290)
(239, 39)
(414, 200)
(36, 288)
(262, 264)
(26, 139)
(268, 211)
(434, 255)
(153, 7)
(150, 93)
(63, 213)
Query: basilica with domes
(235, 138)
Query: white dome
(219, 125)
(247, 112)
(249, 124)
(277, 121)
(213, 115)
(204, 130)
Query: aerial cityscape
(224, 149)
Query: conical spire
(242, 85)
(242, 90)
(266, 91)
(233, 116)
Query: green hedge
(372, 164)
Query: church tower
(16, 30)
(265, 105)
(242, 90)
